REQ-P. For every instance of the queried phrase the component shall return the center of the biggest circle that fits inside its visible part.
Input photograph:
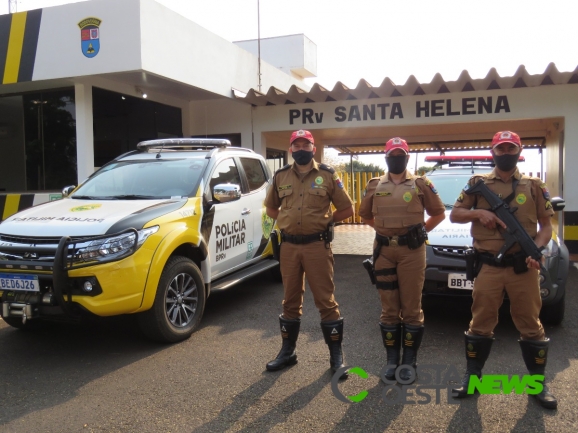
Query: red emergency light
(445, 159)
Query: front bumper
(69, 286)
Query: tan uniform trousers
(525, 301)
(403, 304)
(316, 262)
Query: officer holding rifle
(300, 200)
(511, 267)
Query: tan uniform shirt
(396, 207)
(531, 198)
(305, 201)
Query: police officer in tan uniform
(394, 205)
(300, 200)
(515, 274)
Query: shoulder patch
(545, 191)
(430, 185)
(327, 168)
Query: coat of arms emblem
(90, 36)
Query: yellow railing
(354, 185)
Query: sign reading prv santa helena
(438, 378)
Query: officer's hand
(534, 264)
(489, 219)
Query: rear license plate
(458, 281)
(26, 283)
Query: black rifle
(514, 232)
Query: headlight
(551, 253)
(113, 247)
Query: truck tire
(553, 314)
(179, 303)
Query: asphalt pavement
(103, 376)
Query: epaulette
(286, 167)
(327, 168)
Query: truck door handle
(246, 211)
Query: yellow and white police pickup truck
(151, 233)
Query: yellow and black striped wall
(12, 203)
(571, 231)
(18, 42)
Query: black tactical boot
(333, 334)
(391, 336)
(287, 355)
(412, 335)
(535, 354)
(477, 352)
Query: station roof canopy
(388, 89)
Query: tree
(424, 169)
(360, 166)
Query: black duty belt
(490, 259)
(391, 241)
(303, 239)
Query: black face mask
(396, 164)
(506, 162)
(302, 157)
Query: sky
(375, 39)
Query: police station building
(83, 83)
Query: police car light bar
(198, 143)
(472, 159)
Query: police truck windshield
(144, 179)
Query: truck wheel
(179, 303)
(553, 314)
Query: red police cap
(506, 137)
(396, 143)
(302, 134)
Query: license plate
(458, 281)
(26, 283)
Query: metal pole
(259, 43)
(42, 131)
(352, 188)
(542, 165)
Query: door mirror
(558, 203)
(226, 192)
(67, 190)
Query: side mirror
(67, 190)
(558, 203)
(226, 192)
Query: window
(255, 174)
(226, 172)
(276, 159)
